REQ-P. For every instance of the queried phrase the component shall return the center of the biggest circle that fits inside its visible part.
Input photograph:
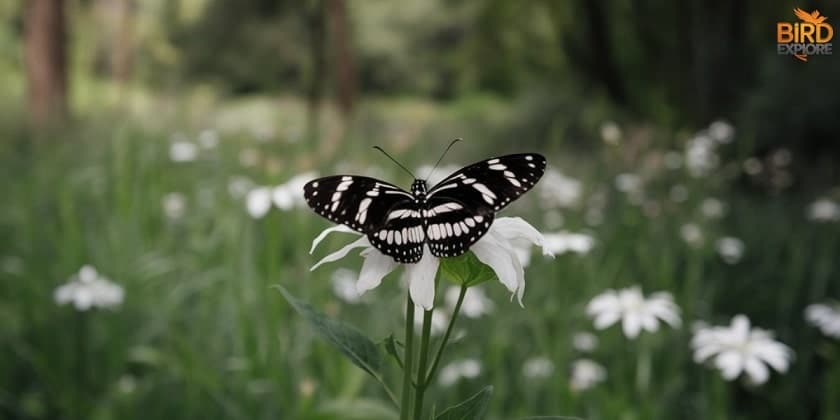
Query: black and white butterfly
(449, 217)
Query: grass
(202, 335)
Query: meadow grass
(201, 334)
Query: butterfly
(449, 217)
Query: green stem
(421, 367)
(455, 312)
(405, 401)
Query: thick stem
(421, 367)
(455, 312)
(405, 402)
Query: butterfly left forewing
(356, 201)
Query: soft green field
(201, 333)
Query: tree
(46, 60)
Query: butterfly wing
(461, 208)
(384, 212)
(359, 202)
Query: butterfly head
(418, 188)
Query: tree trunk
(344, 64)
(46, 60)
(317, 54)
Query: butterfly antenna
(395, 161)
(442, 155)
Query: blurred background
(153, 153)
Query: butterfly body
(449, 217)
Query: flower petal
(421, 279)
(341, 253)
(322, 235)
(631, 324)
(730, 363)
(516, 228)
(376, 266)
(756, 370)
(500, 258)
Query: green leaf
(473, 408)
(466, 269)
(390, 344)
(346, 338)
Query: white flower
(586, 373)
(628, 183)
(174, 205)
(183, 151)
(459, 369)
(634, 311)
(290, 194)
(343, 283)
(238, 186)
(563, 242)
(824, 210)
(712, 208)
(475, 304)
(721, 131)
(739, 349)
(584, 341)
(88, 289)
(826, 317)
(558, 190)
(610, 133)
(730, 249)
(691, 234)
(258, 202)
(538, 368)
(208, 139)
(495, 249)
(700, 156)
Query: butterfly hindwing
(400, 234)
(359, 202)
(452, 227)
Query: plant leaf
(390, 344)
(473, 408)
(466, 269)
(344, 337)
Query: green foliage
(347, 339)
(473, 408)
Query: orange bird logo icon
(813, 17)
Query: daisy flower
(586, 374)
(634, 311)
(459, 369)
(731, 249)
(538, 368)
(88, 289)
(496, 249)
(737, 349)
(826, 317)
